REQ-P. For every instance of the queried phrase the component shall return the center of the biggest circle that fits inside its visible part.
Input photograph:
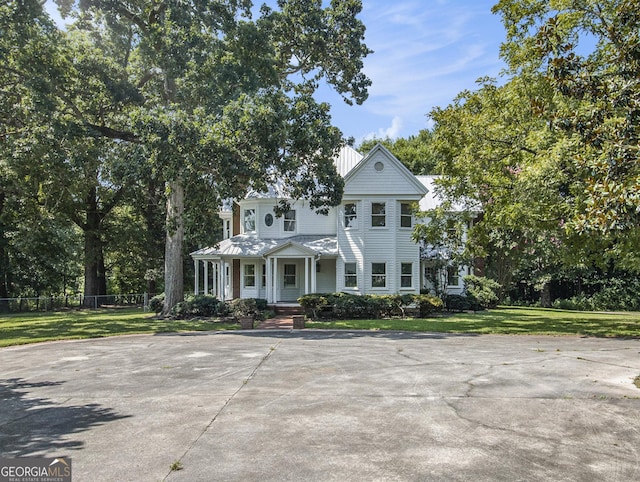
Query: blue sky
(425, 53)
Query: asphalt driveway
(309, 405)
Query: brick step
(287, 310)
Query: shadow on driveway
(31, 425)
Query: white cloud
(391, 132)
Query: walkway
(279, 322)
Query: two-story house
(362, 246)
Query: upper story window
(290, 221)
(227, 229)
(249, 220)
(406, 215)
(378, 214)
(351, 215)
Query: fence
(52, 303)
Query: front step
(287, 310)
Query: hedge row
(349, 306)
(206, 306)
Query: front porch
(279, 272)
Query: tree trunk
(173, 263)
(4, 260)
(94, 270)
(545, 295)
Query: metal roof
(250, 247)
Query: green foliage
(350, 306)
(461, 303)
(241, 307)
(415, 152)
(597, 97)
(483, 290)
(135, 94)
(428, 304)
(157, 303)
(199, 306)
(617, 294)
(314, 304)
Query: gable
(290, 249)
(380, 172)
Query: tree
(224, 96)
(415, 152)
(63, 88)
(501, 158)
(601, 89)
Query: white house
(362, 246)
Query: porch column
(206, 277)
(313, 275)
(196, 276)
(222, 281)
(269, 281)
(307, 274)
(275, 279)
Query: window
(249, 275)
(289, 275)
(249, 220)
(227, 233)
(350, 215)
(290, 221)
(268, 219)
(430, 273)
(406, 275)
(378, 216)
(453, 277)
(405, 215)
(378, 275)
(264, 275)
(350, 275)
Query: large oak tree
(204, 92)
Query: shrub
(314, 304)
(247, 306)
(204, 305)
(199, 306)
(350, 306)
(483, 290)
(461, 303)
(428, 304)
(157, 303)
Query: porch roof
(243, 246)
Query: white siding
(326, 276)
(308, 222)
(393, 179)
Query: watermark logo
(35, 469)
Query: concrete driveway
(311, 405)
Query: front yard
(25, 328)
(508, 321)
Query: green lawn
(18, 329)
(512, 321)
(24, 328)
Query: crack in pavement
(225, 405)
